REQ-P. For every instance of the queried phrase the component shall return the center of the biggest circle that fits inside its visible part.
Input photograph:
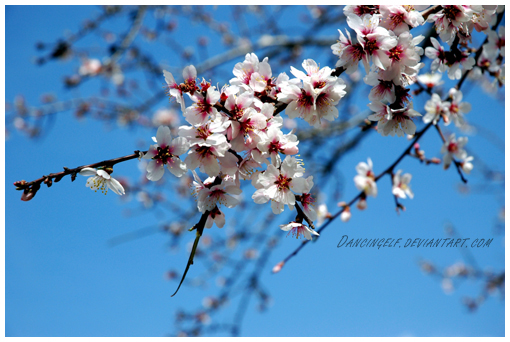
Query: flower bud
(362, 204)
(48, 181)
(342, 204)
(278, 267)
(346, 214)
(466, 167)
(20, 185)
(28, 194)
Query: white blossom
(166, 152)
(101, 180)
(453, 148)
(466, 164)
(435, 108)
(365, 179)
(277, 184)
(457, 108)
(401, 186)
(298, 229)
(393, 121)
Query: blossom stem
(200, 229)
(303, 215)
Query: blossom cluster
(392, 58)
(383, 37)
(234, 134)
(452, 110)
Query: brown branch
(200, 229)
(434, 9)
(303, 215)
(31, 188)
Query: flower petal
(116, 186)
(88, 171)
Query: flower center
(371, 46)
(246, 126)
(189, 86)
(306, 200)
(163, 154)
(237, 112)
(204, 106)
(357, 52)
(274, 147)
(204, 151)
(452, 147)
(305, 100)
(400, 117)
(500, 43)
(203, 132)
(395, 53)
(362, 10)
(451, 12)
(283, 182)
(319, 84)
(396, 19)
(99, 183)
(323, 100)
(454, 108)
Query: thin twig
(33, 186)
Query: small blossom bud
(346, 214)
(170, 275)
(28, 194)
(278, 267)
(362, 204)
(20, 185)
(466, 164)
(210, 302)
(435, 160)
(446, 119)
(251, 253)
(467, 167)
(342, 204)
(205, 85)
(427, 267)
(48, 181)
(203, 318)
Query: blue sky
(63, 279)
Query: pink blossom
(166, 152)
(203, 108)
